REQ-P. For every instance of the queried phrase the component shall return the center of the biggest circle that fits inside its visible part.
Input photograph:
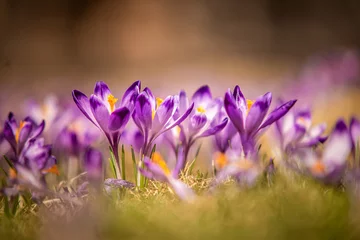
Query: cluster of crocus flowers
(31, 159)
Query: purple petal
(151, 97)
(203, 94)
(38, 130)
(9, 135)
(257, 113)
(102, 90)
(240, 99)
(24, 133)
(179, 120)
(119, 118)
(197, 122)
(355, 130)
(93, 163)
(278, 113)
(158, 173)
(184, 192)
(183, 104)
(215, 129)
(83, 104)
(338, 146)
(143, 110)
(235, 114)
(100, 112)
(163, 114)
(130, 95)
(180, 163)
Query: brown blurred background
(58, 45)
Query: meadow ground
(286, 207)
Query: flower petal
(100, 112)
(83, 104)
(202, 95)
(38, 130)
(215, 129)
(257, 113)
(130, 95)
(93, 163)
(163, 114)
(240, 100)
(179, 120)
(277, 113)
(338, 146)
(235, 114)
(143, 110)
(196, 123)
(183, 191)
(158, 173)
(102, 90)
(119, 118)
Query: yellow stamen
(157, 159)
(220, 160)
(112, 100)
(18, 130)
(12, 173)
(318, 167)
(249, 104)
(200, 109)
(54, 169)
(159, 101)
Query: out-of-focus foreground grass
(288, 207)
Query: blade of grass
(190, 166)
(112, 162)
(123, 174)
(9, 162)
(134, 162)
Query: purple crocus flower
(203, 121)
(295, 131)
(35, 160)
(249, 117)
(93, 162)
(17, 134)
(329, 165)
(156, 116)
(101, 110)
(157, 169)
(245, 170)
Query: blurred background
(61, 45)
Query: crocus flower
(17, 134)
(102, 111)
(156, 116)
(35, 160)
(295, 131)
(329, 165)
(201, 121)
(93, 162)
(157, 169)
(245, 170)
(249, 117)
(76, 135)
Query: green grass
(291, 207)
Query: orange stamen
(54, 170)
(112, 100)
(157, 159)
(18, 130)
(220, 160)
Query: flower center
(18, 130)
(318, 167)
(249, 104)
(200, 109)
(112, 100)
(54, 170)
(220, 160)
(158, 160)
